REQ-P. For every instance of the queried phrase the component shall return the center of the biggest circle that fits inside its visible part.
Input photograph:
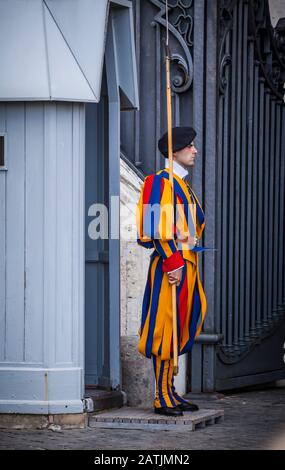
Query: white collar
(177, 168)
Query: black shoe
(168, 411)
(188, 406)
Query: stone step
(144, 418)
(104, 399)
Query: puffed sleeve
(154, 218)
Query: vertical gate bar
(271, 152)
(249, 215)
(254, 317)
(224, 251)
(199, 91)
(137, 9)
(266, 150)
(282, 215)
(278, 210)
(244, 187)
(231, 226)
(283, 157)
(260, 202)
(281, 195)
(220, 202)
(238, 317)
(199, 96)
(276, 205)
(209, 184)
(195, 358)
(219, 219)
(176, 110)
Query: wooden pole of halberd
(170, 157)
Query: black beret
(181, 137)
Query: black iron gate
(250, 305)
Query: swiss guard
(171, 225)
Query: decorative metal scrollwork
(269, 45)
(226, 22)
(279, 38)
(231, 354)
(181, 27)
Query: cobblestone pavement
(253, 420)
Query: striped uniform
(156, 322)
(172, 248)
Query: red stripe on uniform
(182, 306)
(147, 189)
(174, 261)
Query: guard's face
(187, 155)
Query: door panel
(97, 337)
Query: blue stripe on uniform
(145, 244)
(196, 309)
(154, 304)
(168, 386)
(160, 249)
(162, 401)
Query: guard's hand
(175, 278)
